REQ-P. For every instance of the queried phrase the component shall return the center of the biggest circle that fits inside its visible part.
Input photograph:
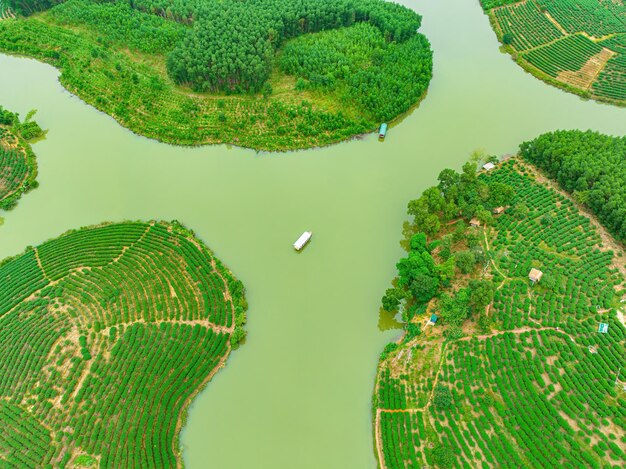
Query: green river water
(298, 394)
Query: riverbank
(132, 84)
(249, 209)
(585, 60)
(130, 321)
(445, 366)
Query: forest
(590, 166)
(521, 354)
(158, 66)
(124, 324)
(232, 44)
(18, 164)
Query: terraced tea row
(514, 372)
(577, 45)
(124, 323)
(18, 166)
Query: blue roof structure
(603, 328)
(434, 318)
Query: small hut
(535, 275)
(498, 210)
(475, 223)
(433, 319)
(488, 166)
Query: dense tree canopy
(28, 7)
(590, 165)
(232, 44)
(429, 268)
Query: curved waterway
(297, 395)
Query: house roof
(535, 274)
(488, 166)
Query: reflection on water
(389, 320)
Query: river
(298, 394)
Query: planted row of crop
(537, 388)
(567, 54)
(109, 354)
(527, 26)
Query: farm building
(488, 166)
(498, 210)
(535, 275)
(433, 319)
(475, 223)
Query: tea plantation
(514, 372)
(578, 45)
(106, 334)
(18, 165)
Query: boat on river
(382, 131)
(302, 240)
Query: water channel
(297, 395)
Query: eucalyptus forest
(271, 75)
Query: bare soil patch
(587, 74)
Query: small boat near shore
(382, 132)
(302, 240)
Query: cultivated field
(18, 167)
(528, 381)
(577, 45)
(106, 334)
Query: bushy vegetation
(210, 71)
(514, 373)
(574, 44)
(589, 165)
(381, 78)
(18, 165)
(119, 23)
(123, 324)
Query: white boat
(302, 240)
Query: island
(514, 331)
(269, 75)
(576, 45)
(18, 164)
(106, 335)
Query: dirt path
(554, 22)
(491, 258)
(620, 317)
(584, 77)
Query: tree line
(232, 44)
(589, 165)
